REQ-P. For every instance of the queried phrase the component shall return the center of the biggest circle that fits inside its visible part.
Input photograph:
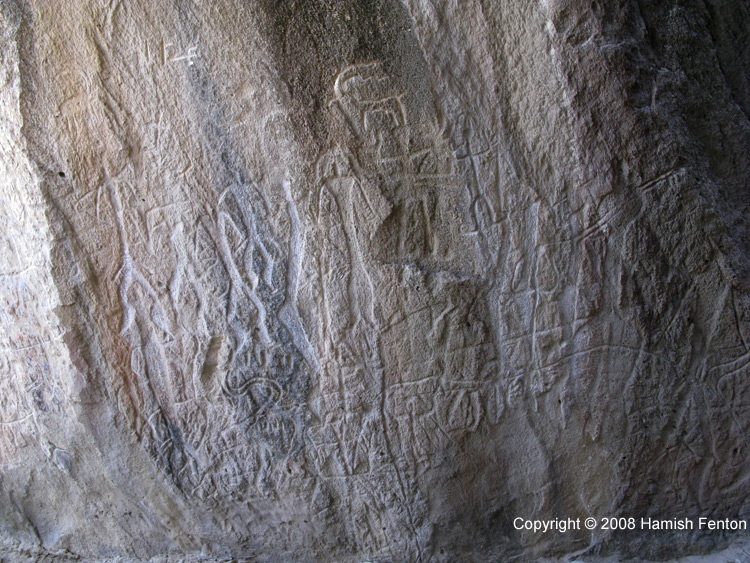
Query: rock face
(368, 280)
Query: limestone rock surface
(367, 280)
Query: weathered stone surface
(367, 280)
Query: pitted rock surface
(359, 280)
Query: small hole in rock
(61, 174)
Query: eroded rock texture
(367, 280)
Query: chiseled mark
(653, 182)
(215, 362)
(289, 315)
(129, 273)
(296, 248)
(62, 458)
(126, 270)
(237, 282)
(189, 55)
(361, 91)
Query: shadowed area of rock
(359, 280)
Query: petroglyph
(367, 281)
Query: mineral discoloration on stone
(368, 280)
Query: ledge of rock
(371, 280)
